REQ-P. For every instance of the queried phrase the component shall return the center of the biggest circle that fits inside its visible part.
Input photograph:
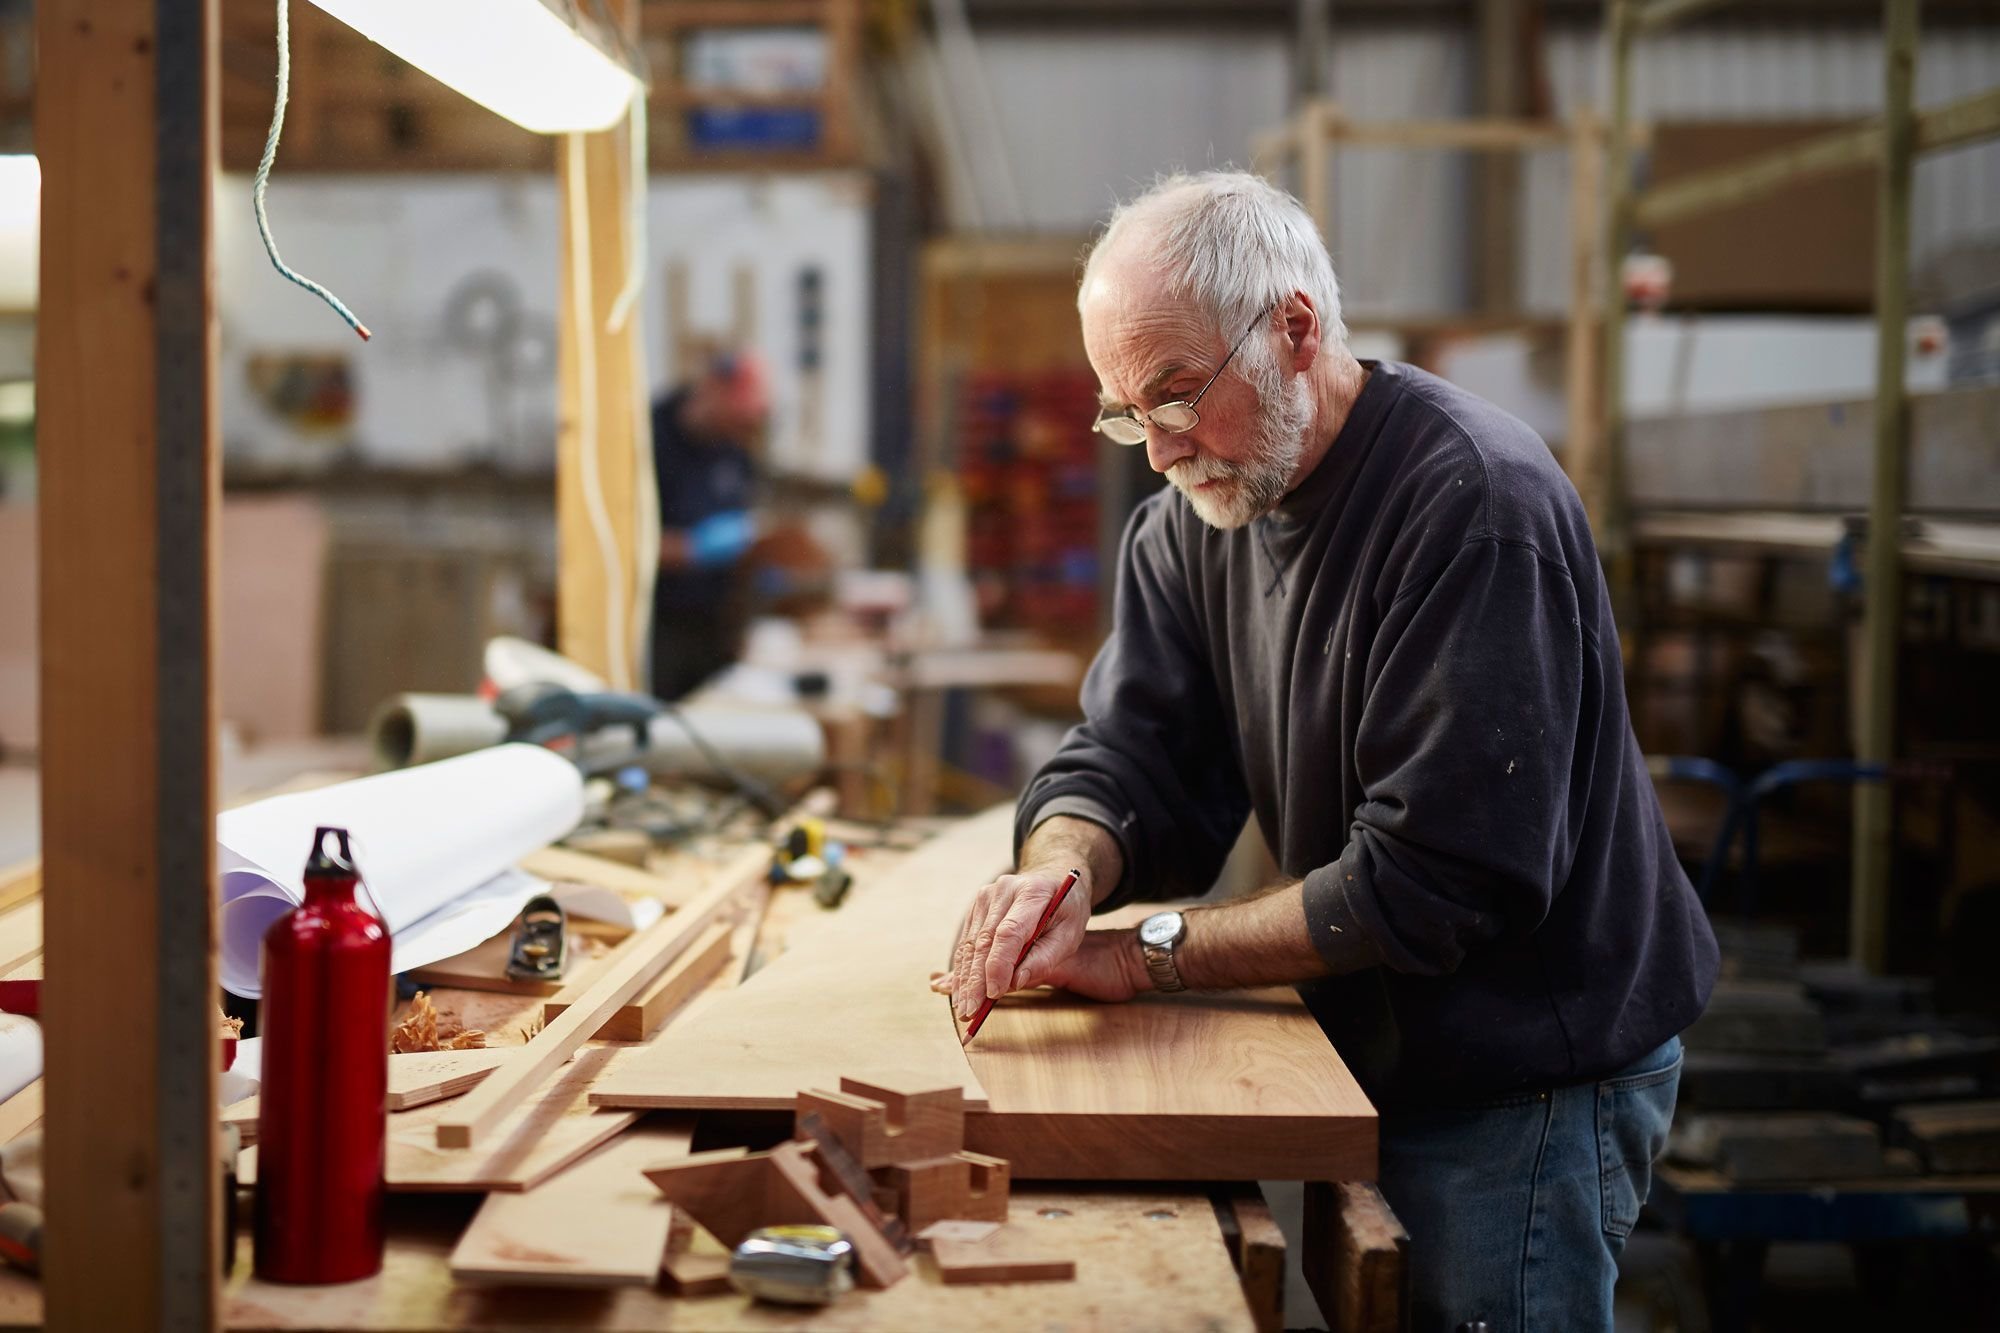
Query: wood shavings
(425, 1030)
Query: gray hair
(1231, 244)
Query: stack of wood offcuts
(886, 1167)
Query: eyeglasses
(1175, 418)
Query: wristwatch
(1159, 936)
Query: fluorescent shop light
(520, 58)
(20, 230)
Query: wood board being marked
(553, 1127)
(856, 1002)
(1236, 1085)
(598, 1224)
(642, 958)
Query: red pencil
(1048, 915)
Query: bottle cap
(331, 854)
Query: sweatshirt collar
(1364, 421)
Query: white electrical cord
(635, 205)
(617, 663)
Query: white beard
(1252, 488)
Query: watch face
(1160, 928)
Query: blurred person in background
(706, 435)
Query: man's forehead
(1137, 351)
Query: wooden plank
(1235, 1086)
(555, 1126)
(21, 1112)
(561, 863)
(20, 882)
(605, 496)
(682, 981)
(599, 1223)
(1240, 1085)
(1356, 1257)
(20, 935)
(128, 481)
(1016, 1252)
(855, 1004)
(1260, 1259)
(416, 1078)
(646, 956)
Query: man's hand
(992, 957)
(1109, 966)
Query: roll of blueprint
(436, 846)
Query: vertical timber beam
(1582, 382)
(1504, 94)
(1614, 538)
(126, 126)
(1882, 620)
(606, 507)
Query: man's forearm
(1069, 841)
(1257, 941)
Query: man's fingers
(969, 989)
(1010, 941)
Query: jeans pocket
(1633, 1116)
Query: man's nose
(1164, 448)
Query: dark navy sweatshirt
(1409, 672)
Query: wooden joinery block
(1257, 1247)
(988, 1181)
(723, 1190)
(883, 1126)
(732, 1193)
(929, 1191)
(796, 1180)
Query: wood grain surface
(855, 1002)
(1215, 1086)
(598, 1223)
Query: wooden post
(1875, 741)
(126, 126)
(1581, 378)
(606, 507)
(1506, 79)
(1614, 537)
(1315, 168)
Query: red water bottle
(323, 1118)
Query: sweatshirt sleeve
(1152, 760)
(1466, 752)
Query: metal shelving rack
(1893, 141)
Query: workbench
(1733, 1226)
(1149, 1255)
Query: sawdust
(427, 1030)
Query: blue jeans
(1518, 1208)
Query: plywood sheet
(1218, 1086)
(600, 1223)
(856, 1003)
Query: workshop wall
(457, 277)
(1152, 102)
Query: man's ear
(1302, 330)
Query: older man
(1368, 610)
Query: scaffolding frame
(1893, 140)
(1319, 126)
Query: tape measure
(793, 1265)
